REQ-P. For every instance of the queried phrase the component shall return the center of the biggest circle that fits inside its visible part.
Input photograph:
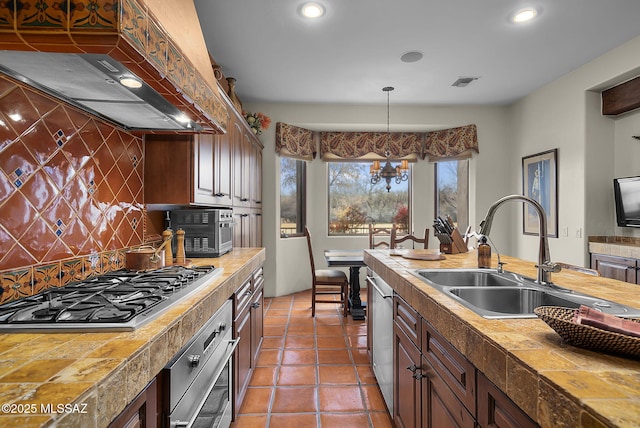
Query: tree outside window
(452, 191)
(292, 201)
(354, 201)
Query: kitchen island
(86, 379)
(554, 383)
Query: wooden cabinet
(449, 383)
(247, 227)
(407, 392)
(440, 406)
(186, 170)
(209, 170)
(496, 410)
(241, 167)
(142, 412)
(248, 330)
(255, 177)
(455, 370)
(426, 368)
(615, 267)
(435, 386)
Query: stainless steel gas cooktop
(116, 301)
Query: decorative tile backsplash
(71, 193)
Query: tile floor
(312, 372)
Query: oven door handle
(186, 424)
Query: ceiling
(353, 51)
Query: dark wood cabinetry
(209, 170)
(615, 267)
(496, 410)
(187, 170)
(248, 330)
(435, 386)
(407, 392)
(142, 412)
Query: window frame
(364, 227)
(436, 192)
(301, 200)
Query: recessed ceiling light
(524, 15)
(411, 56)
(312, 10)
(130, 82)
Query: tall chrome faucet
(545, 267)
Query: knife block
(457, 245)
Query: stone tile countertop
(556, 384)
(93, 376)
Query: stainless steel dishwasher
(381, 310)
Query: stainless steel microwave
(208, 232)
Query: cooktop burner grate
(119, 300)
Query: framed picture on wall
(540, 182)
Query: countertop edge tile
(162, 338)
(490, 346)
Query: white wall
(287, 264)
(564, 114)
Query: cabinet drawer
(495, 409)
(451, 365)
(441, 406)
(407, 319)
(242, 297)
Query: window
(354, 201)
(452, 191)
(292, 201)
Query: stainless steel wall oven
(198, 380)
(208, 231)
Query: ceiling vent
(464, 81)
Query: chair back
(380, 233)
(395, 240)
(313, 267)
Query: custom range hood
(139, 64)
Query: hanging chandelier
(388, 172)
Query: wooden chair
(379, 233)
(326, 282)
(579, 269)
(395, 240)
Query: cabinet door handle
(219, 195)
(243, 199)
(418, 376)
(412, 368)
(255, 305)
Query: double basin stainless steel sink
(499, 295)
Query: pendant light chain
(401, 172)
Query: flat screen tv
(627, 196)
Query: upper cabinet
(205, 169)
(187, 170)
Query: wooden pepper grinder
(180, 259)
(168, 252)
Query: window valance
(295, 142)
(452, 143)
(370, 145)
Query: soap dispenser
(484, 253)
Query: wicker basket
(585, 336)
